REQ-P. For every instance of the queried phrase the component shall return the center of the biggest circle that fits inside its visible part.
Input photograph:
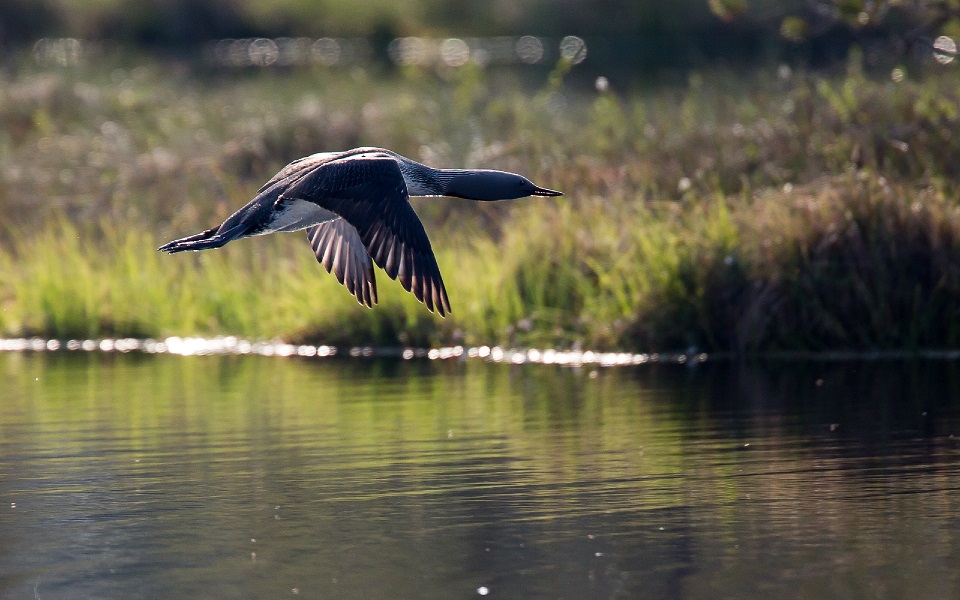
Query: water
(133, 476)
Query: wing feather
(340, 250)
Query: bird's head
(492, 185)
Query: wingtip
(441, 305)
(365, 295)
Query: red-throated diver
(355, 206)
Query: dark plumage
(355, 207)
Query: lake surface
(135, 476)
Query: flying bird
(355, 208)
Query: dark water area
(132, 476)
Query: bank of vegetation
(777, 211)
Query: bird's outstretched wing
(341, 251)
(299, 166)
(368, 191)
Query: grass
(787, 212)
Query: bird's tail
(200, 241)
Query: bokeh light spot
(529, 49)
(573, 49)
(454, 52)
(944, 49)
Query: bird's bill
(539, 191)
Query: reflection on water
(131, 476)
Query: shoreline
(236, 346)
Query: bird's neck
(422, 180)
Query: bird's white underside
(298, 215)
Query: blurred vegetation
(184, 21)
(646, 34)
(783, 210)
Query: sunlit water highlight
(127, 475)
(227, 345)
